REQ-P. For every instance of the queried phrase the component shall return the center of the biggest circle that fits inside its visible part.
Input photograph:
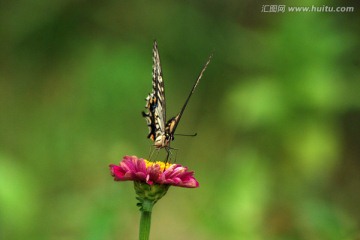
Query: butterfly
(161, 132)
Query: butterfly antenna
(192, 91)
(186, 135)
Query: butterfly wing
(156, 104)
(159, 89)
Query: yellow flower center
(162, 165)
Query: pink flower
(132, 168)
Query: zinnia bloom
(136, 169)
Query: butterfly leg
(169, 154)
(152, 151)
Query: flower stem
(145, 220)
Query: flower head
(135, 169)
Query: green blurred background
(277, 115)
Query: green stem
(145, 220)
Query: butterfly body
(161, 132)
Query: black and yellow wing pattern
(160, 131)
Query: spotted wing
(155, 101)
